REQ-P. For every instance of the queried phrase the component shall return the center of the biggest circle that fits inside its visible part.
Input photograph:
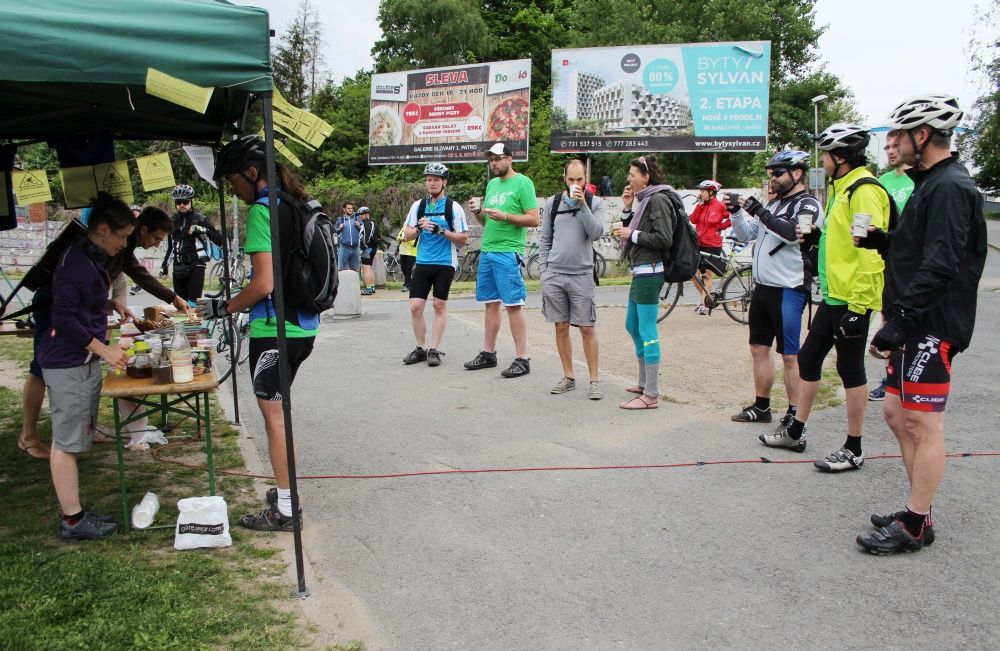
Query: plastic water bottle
(180, 356)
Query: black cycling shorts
(920, 373)
(776, 314)
(714, 264)
(824, 334)
(264, 363)
(427, 276)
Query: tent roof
(72, 67)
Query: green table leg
(208, 445)
(125, 524)
(163, 413)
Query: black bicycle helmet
(239, 154)
(182, 193)
(789, 159)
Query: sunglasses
(777, 173)
(182, 202)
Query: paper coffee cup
(805, 223)
(474, 204)
(861, 223)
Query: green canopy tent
(78, 67)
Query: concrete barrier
(348, 301)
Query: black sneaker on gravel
(92, 526)
(879, 521)
(517, 368)
(482, 360)
(269, 520)
(892, 539)
(434, 357)
(753, 415)
(418, 354)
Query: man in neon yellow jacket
(851, 280)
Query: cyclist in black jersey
(934, 260)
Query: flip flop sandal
(638, 403)
(636, 389)
(42, 456)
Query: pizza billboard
(647, 98)
(449, 114)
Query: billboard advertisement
(449, 114)
(647, 98)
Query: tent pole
(284, 372)
(230, 326)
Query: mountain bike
(532, 271)
(238, 275)
(735, 288)
(238, 340)
(468, 264)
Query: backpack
(682, 263)
(449, 213)
(308, 256)
(556, 202)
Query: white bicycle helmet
(436, 169)
(711, 186)
(364, 209)
(843, 136)
(937, 111)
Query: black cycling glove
(877, 239)
(853, 325)
(754, 207)
(890, 337)
(733, 202)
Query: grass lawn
(133, 591)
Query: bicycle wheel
(600, 265)
(737, 290)
(669, 296)
(392, 268)
(532, 267)
(815, 291)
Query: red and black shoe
(892, 539)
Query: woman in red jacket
(710, 218)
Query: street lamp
(816, 100)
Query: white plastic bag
(202, 522)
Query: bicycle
(393, 271)
(217, 328)
(533, 272)
(468, 264)
(734, 292)
(238, 275)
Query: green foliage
(297, 59)
(421, 34)
(986, 128)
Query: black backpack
(682, 263)
(308, 256)
(556, 202)
(448, 213)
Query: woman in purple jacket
(70, 353)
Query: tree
(421, 34)
(983, 141)
(297, 60)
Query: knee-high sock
(651, 387)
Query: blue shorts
(499, 279)
(350, 257)
(776, 317)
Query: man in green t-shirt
(900, 187)
(509, 208)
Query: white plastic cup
(570, 201)
(474, 204)
(615, 226)
(144, 512)
(805, 223)
(861, 222)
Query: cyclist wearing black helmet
(188, 246)
(851, 282)
(782, 272)
(440, 225)
(242, 164)
(934, 261)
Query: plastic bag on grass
(202, 522)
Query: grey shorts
(74, 396)
(569, 297)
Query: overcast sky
(876, 47)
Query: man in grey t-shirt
(572, 221)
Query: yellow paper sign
(31, 186)
(79, 186)
(294, 138)
(287, 153)
(155, 171)
(4, 204)
(281, 104)
(160, 84)
(306, 127)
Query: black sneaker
(418, 354)
(753, 415)
(92, 526)
(517, 368)
(482, 360)
(434, 357)
(892, 539)
(880, 521)
(105, 518)
(269, 520)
